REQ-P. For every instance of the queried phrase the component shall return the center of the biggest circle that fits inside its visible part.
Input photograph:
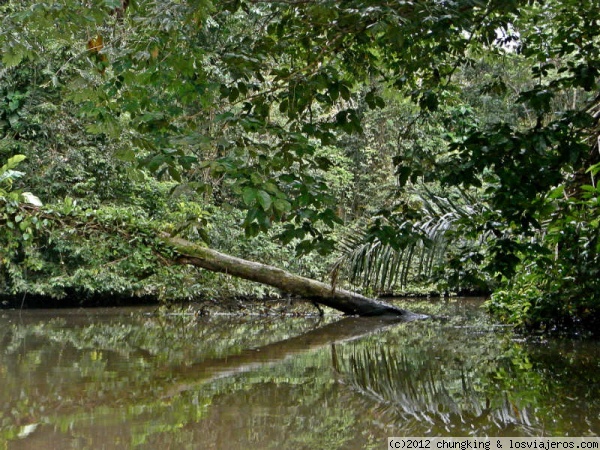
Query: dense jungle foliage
(400, 147)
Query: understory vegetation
(432, 147)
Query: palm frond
(368, 260)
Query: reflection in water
(417, 392)
(472, 380)
(344, 330)
(75, 379)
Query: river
(129, 378)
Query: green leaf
(136, 174)
(264, 199)
(344, 92)
(187, 161)
(282, 205)
(14, 161)
(174, 173)
(125, 154)
(283, 106)
(11, 58)
(234, 93)
(557, 192)
(370, 99)
(10, 175)
(249, 195)
(334, 91)
(429, 101)
(156, 161)
(594, 169)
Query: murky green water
(126, 379)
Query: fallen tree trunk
(322, 293)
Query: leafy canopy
(238, 98)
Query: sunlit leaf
(28, 197)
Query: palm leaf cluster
(419, 392)
(416, 250)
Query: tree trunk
(322, 293)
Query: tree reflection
(184, 382)
(445, 390)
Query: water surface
(125, 378)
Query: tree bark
(322, 293)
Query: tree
(246, 91)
